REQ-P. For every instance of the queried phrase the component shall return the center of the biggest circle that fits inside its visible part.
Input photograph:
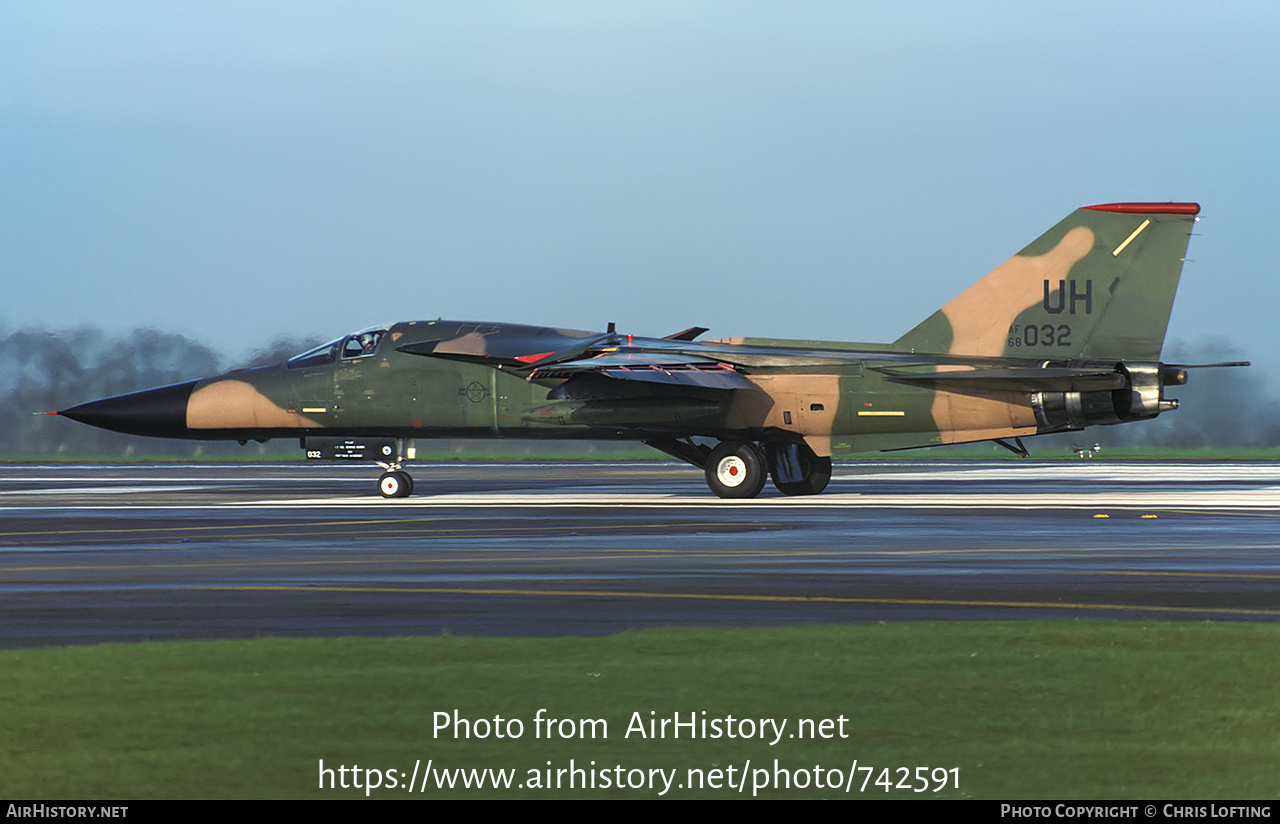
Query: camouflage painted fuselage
(396, 394)
(1063, 335)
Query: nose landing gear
(395, 482)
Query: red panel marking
(1148, 208)
(532, 358)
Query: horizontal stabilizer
(1225, 365)
(1021, 378)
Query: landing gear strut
(395, 482)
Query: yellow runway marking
(799, 599)
(1158, 573)
(294, 528)
(464, 556)
(209, 527)
(468, 556)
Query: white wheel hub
(732, 471)
(389, 485)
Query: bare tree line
(43, 370)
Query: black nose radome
(161, 413)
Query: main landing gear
(796, 470)
(736, 469)
(739, 469)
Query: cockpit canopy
(360, 344)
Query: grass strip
(1023, 710)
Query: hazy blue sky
(830, 170)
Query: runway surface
(96, 553)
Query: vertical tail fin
(1099, 285)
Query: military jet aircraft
(1064, 335)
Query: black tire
(736, 469)
(395, 485)
(816, 471)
